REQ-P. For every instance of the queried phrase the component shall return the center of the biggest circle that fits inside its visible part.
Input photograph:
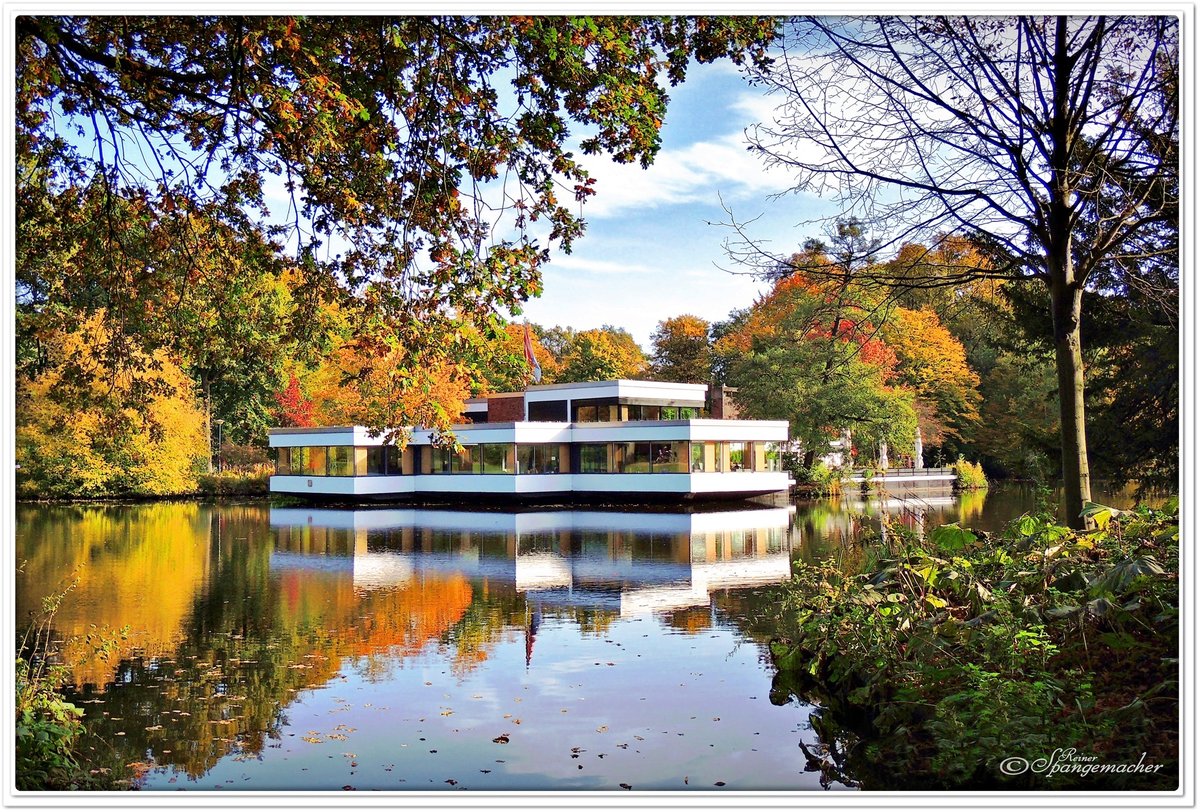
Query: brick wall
(723, 407)
(508, 409)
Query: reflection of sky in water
(316, 649)
(641, 704)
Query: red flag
(529, 356)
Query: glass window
(586, 414)
(593, 458)
(645, 413)
(375, 461)
(635, 458)
(766, 456)
(669, 458)
(669, 413)
(314, 463)
(697, 456)
(538, 459)
(392, 460)
(283, 461)
(449, 461)
(689, 412)
(548, 410)
(341, 460)
(497, 458)
(737, 456)
(718, 456)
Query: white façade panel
(644, 390)
(633, 483)
(291, 438)
(630, 432)
(740, 430)
(663, 390)
(740, 482)
(342, 485)
(493, 484)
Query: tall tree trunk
(1065, 303)
(1066, 288)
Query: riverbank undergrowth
(965, 660)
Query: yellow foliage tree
(139, 431)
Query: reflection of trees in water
(136, 565)
(232, 621)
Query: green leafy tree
(392, 136)
(806, 355)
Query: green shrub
(48, 727)
(962, 649)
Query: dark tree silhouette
(1034, 136)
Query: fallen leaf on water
(501, 739)
(719, 784)
(602, 728)
(451, 782)
(485, 771)
(154, 727)
(626, 786)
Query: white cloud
(571, 262)
(696, 173)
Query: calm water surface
(401, 649)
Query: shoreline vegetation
(934, 659)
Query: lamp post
(219, 423)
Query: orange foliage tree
(934, 364)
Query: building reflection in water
(616, 562)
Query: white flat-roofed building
(619, 438)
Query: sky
(652, 249)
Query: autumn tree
(933, 364)
(809, 352)
(428, 164)
(681, 350)
(139, 433)
(294, 407)
(508, 371)
(1034, 136)
(347, 389)
(603, 354)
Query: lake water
(408, 649)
